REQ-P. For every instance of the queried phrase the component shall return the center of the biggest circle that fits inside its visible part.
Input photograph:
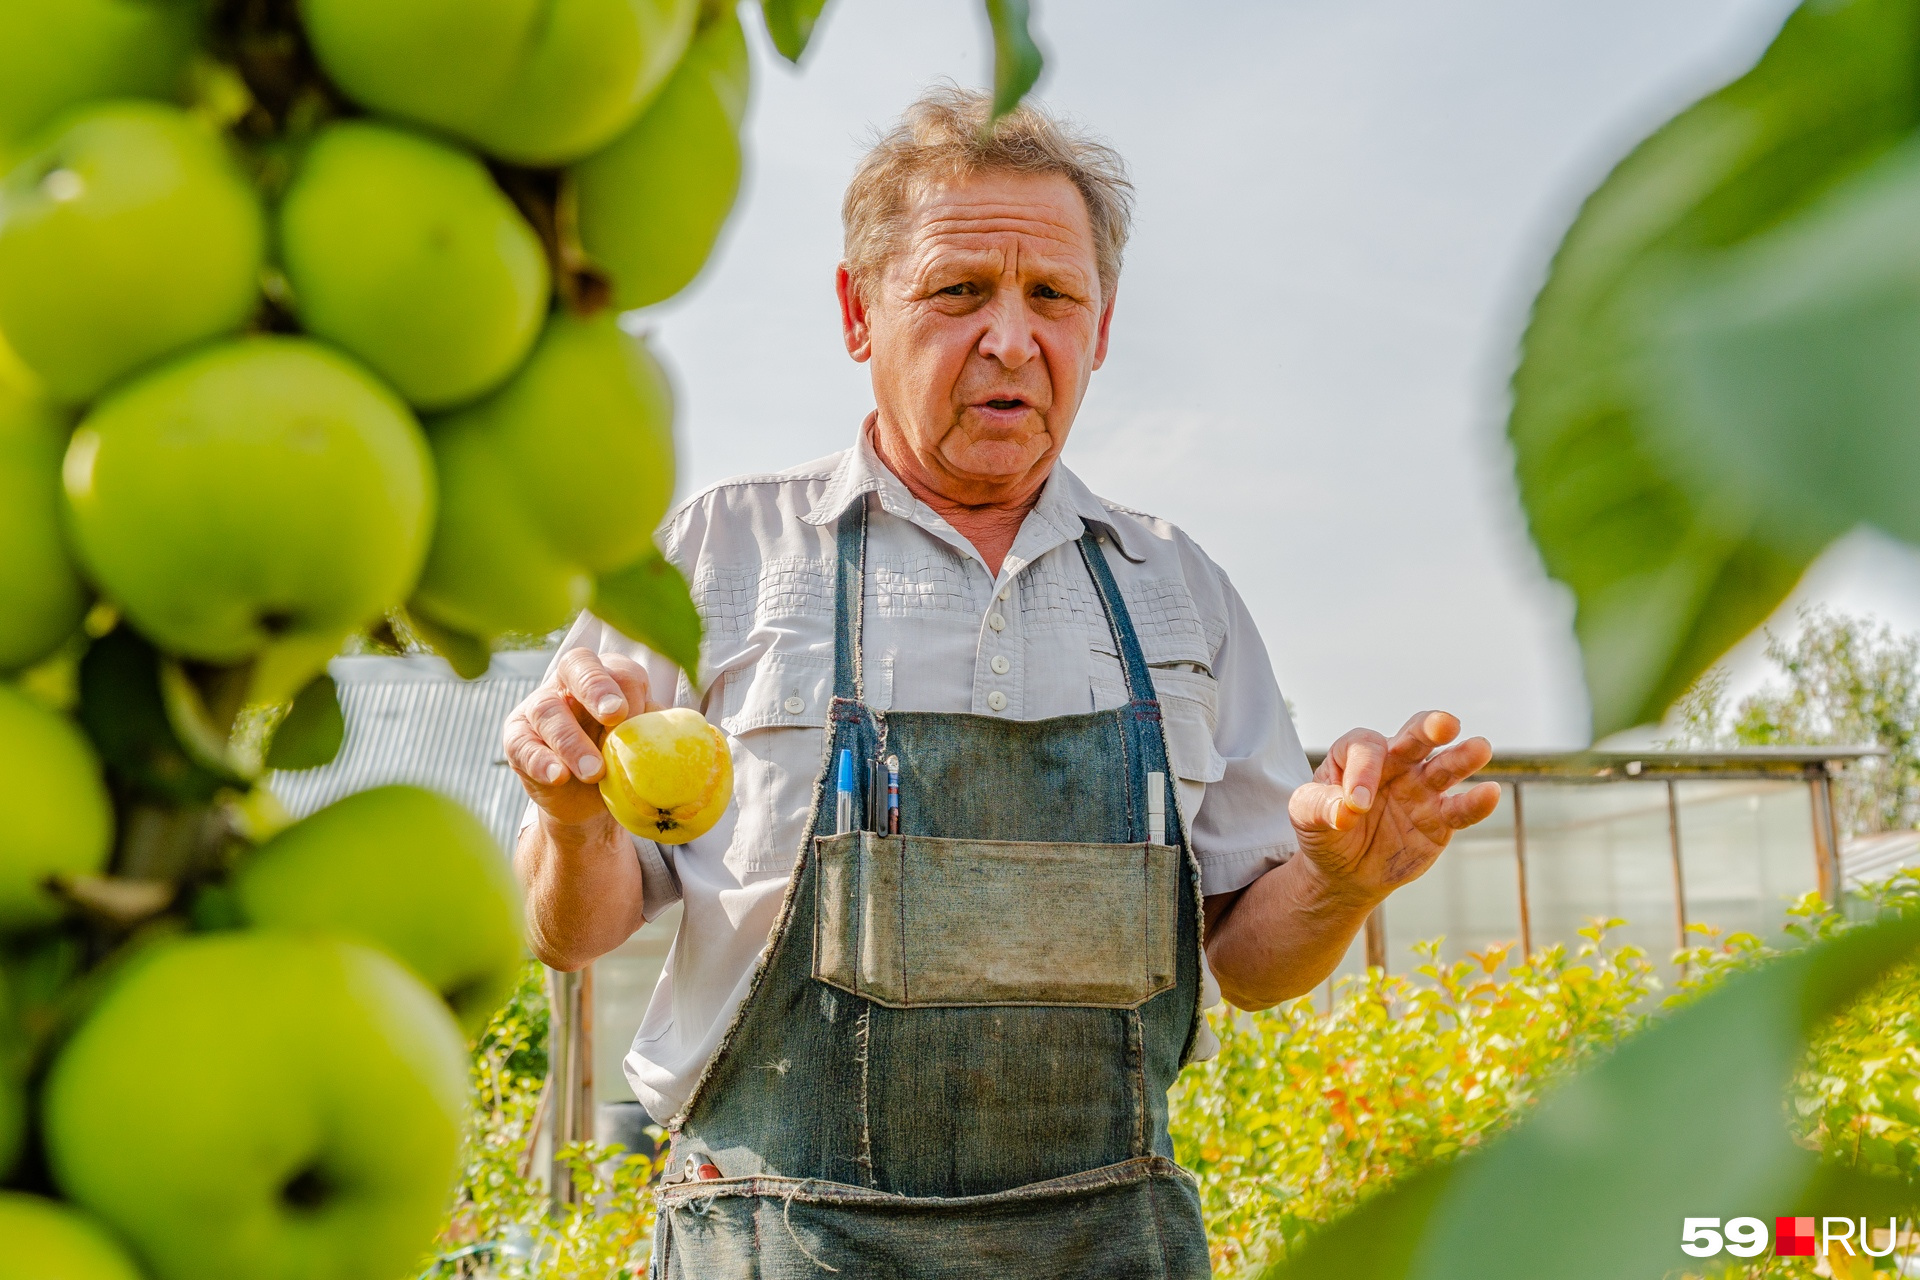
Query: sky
(1344, 208)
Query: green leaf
(1672, 551)
(1791, 364)
(126, 710)
(1378, 1238)
(469, 656)
(1686, 1118)
(1016, 59)
(648, 601)
(312, 731)
(791, 23)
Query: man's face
(983, 330)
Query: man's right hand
(552, 739)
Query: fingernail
(608, 705)
(1361, 799)
(556, 771)
(588, 764)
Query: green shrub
(1304, 1113)
(499, 1224)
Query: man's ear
(1106, 326)
(853, 315)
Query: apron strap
(849, 591)
(1133, 664)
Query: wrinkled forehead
(1037, 223)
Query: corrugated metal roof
(413, 720)
(1864, 859)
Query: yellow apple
(669, 775)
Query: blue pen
(843, 810)
(893, 795)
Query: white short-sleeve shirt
(941, 634)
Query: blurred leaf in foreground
(648, 601)
(1686, 1119)
(790, 23)
(1682, 450)
(1016, 59)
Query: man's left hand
(1378, 812)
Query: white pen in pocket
(1156, 808)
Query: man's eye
(957, 290)
(1047, 291)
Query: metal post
(1826, 834)
(1679, 878)
(1377, 937)
(570, 1073)
(1520, 865)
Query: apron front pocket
(918, 921)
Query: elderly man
(937, 1040)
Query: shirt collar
(1065, 501)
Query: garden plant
(299, 300)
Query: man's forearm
(584, 894)
(1282, 935)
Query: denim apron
(954, 1054)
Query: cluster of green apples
(307, 325)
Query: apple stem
(546, 198)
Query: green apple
(42, 598)
(537, 82)
(562, 474)
(491, 569)
(403, 251)
(125, 235)
(56, 53)
(652, 203)
(264, 497)
(59, 818)
(46, 1240)
(294, 1114)
(406, 870)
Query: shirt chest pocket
(780, 691)
(774, 712)
(1189, 714)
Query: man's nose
(1009, 336)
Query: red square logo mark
(1793, 1237)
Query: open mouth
(1006, 404)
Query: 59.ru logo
(1792, 1237)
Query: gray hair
(945, 135)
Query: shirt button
(1006, 591)
(1000, 664)
(795, 706)
(997, 622)
(997, 700)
